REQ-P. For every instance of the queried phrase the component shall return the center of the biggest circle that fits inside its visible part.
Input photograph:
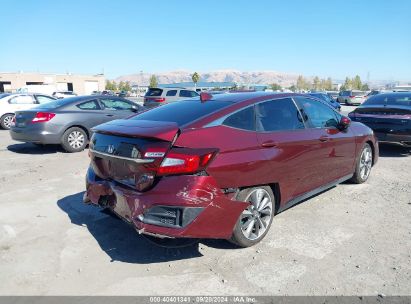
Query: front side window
(277, 115)
(244, 119)
(320, 115)
(187, 93)
(89, 105)
(171, 93)
(22, 99)
(115, 104)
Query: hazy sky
(325, 38)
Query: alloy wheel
(76, 139)
(7, 121)
(365, 163)
(256, 218)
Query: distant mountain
(258, 77)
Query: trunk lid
(130, 151)
(24, 118)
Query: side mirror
(344, 123)
(134, 109)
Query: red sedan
(223, 166)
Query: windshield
(182, 112)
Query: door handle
(324, 138)
(269, 144)
(110, 115)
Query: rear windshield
(59, 103)
(401, 99)
(182, 112)
(357, 93)
(154, 92)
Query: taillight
(42, 117)
(13, 121)
(182, 162)
(159, 99)
(352, 96)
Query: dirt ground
(349, 240)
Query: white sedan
(10, 103)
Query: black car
(389, 115)
(69, 121)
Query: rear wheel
(74, 140)
(255, 221)
(364, 165)
(5, 121)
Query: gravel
(349, 240)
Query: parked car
(326, 98)
(64, 94)
(69, 121)
(222, 166)
(10, 103)
(389, 115)
(352, 97)
(158, 96)
(333, 95)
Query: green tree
(293, 88)
(275, 87)
(302, 83)
(356, 83)
(195, 77)
(347, 84)
(153, 81)
(111, 85)
(121, 86)
(365, 87)
(316, 83)
(328, 86)
(127, 86)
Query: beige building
(49, 83)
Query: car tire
(5, 121)
(74, 140)
(363, 165)
(255, 221)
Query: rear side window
(320, 115)
(22, 99)
(171, 93)
(187, 93)
(276, 115)
(244, 119)
(182, 112)
(154, 92)
(89, 105)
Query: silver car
(352, 97)
(158, 96)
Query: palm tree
(195, 78)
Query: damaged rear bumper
(178, 206)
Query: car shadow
(120, 241)
(387, 150)
(28, 148)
